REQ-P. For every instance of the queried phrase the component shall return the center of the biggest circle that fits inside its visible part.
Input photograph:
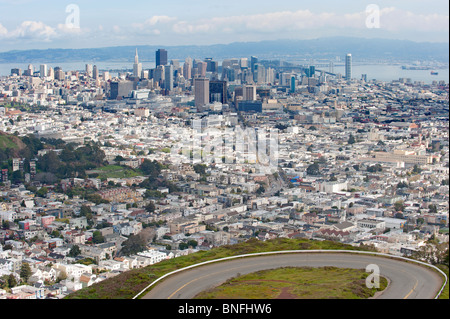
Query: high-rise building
(161, 57)
(121, 89)
(95, 73)
(249, 93)
(89, 70)
(159, 75)
(218, 92)
(201, 66)
(293, 84)
(59, 73)
(168, 77)
(137, 67)
(211, 65)
(348, 67)
(16, 71)
(253, 61)
(187, 69)
(43, 70)
(201, 92)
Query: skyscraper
(95, 74)
(89, 70)
(161, 57)
(253, 61)
(168, 77)
(249, 93)
(187, 68)
(348, 67)
(43, 70)
(201, 92)
(218, 91)
(137, 67)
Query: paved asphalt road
(407, 280)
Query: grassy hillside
(11, 142)
(129, 284)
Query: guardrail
(297, 252)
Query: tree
(150, 207)
(74, 251)
(351, 139)
(25, 271)
(151, 168)
(97, 237)
(12, 282)
(260, 190)
(200, 169)
(313, 169)
(192, 243)
(399, 206)
(42, 192)
(433, 209)
(133, 245)
(416, 169)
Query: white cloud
(33, 30)
(391, 19)
(3, 31)
(398, 20)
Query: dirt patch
(286, 294)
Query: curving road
(407, 280)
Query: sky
(43, 24)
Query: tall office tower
(270, 75)
(161, 57)
(261, 74)
(59, 74)
(30, 70)
(253, 61)
(243, 63)
(293, 84)
(43, 70)
(187, 68)
(211, 65)
(159, 74)
(51, 73)
(168, 77)
(201, 92)
(249, 93)
(218, 92)
(95, 74)
(331, 67)
(348, 67)
(89, 70)
(201, 66)
(137, 67)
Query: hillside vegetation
(130, 283)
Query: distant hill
(323, 48)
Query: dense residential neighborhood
(104, 173)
